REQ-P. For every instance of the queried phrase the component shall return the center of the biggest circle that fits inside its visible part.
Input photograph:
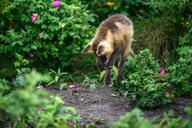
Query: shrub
(39, 32)
(143, 84)
(27, 106)
(135, 9)
(135, 119)
(180, 73)
(174, 11)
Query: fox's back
(117, 27)
(114, 19)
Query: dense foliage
(134, 9)
(143, 84)
(48, 35)
(36, 31)
(23, 105)
(180, 74)
(135, 119)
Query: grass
(158, 35)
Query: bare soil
(102, 106)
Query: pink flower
(34, 17)
(56, 3)
(162, 70)
(30, 55)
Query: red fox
(112, 44)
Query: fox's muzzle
(101, 62)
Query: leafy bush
(27, 106)
(135, 119)
(39, 32)
(135, 9)
(180, 74)
(175, 11)
(143, 84)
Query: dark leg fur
(120, 70)
(111, 61)
(107, 77)
(109, 65)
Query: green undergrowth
(135, 119)
(142, 83)
(24, 105)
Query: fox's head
(102, 50)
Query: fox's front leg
(107, 77)
(121, 66)
(120, 70)
(110, 61)
(108, 67)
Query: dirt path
(103, 106)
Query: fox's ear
(100, 50)
(87, 49)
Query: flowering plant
(143, 84)
(47, 32)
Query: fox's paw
(119, 79)
(108, 84)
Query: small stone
(113, 95)
(82, 99)
(72, 86)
